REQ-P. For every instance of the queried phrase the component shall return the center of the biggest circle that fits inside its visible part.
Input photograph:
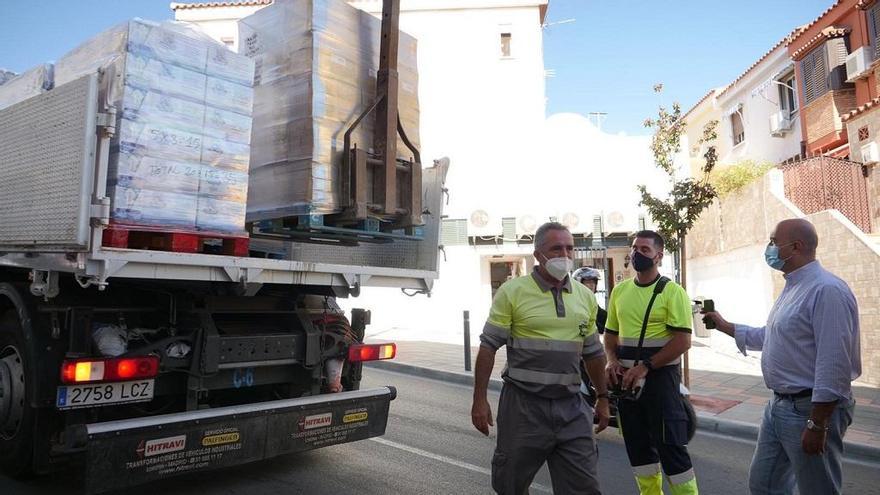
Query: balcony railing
(824, 183)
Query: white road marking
(448, 460)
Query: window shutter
(453, 232)
(814, 69)
(874, 28)
(508, 228)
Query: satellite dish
(615, 220)
(527, 224)
(570, 220)
(479, 218)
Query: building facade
(760, 112)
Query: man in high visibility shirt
(654, 425)
(548, 324)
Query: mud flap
(135, 451)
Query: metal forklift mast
(387, 83)
(381, 185)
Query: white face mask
(558, 268)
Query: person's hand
(720, 323)
(603, 414)
(481, 415)
(612, 370)
(813, 442)
(633, 375)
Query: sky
(607, 60)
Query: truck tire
(16, 414)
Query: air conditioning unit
(858, 63)
(526, 225)
(482, 224)
(780, 122)
(870, 153)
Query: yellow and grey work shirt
(546, 330)
(671, 312)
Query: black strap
(658, 288)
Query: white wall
(759, 98)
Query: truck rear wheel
(16, 414)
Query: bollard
(467, 340)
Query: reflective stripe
(544, 378)
(647, 469)
(629, 363)
(496, 331)
(591, 349)
(655, 342)
(592, 345)
(677, 479)
(545, 344)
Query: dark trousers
(533, 430)
(655, 426)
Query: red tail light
(371, 352)
(109, 370)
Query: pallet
(312, 228)
(178, 242)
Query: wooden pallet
(178, 242)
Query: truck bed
(53, 211)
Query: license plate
(101, 394)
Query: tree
(688, 197)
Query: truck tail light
(109, 370)
(371, 352)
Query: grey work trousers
(532, 430)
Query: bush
(737, 176)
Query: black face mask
(641, 262)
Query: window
(824, 69)
(787, 94)
(736, 126)
(864, 133)
(506, 38)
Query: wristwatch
(648, 365)
(813, 426)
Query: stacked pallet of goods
(180, 158)
(316, 63)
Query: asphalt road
(431, 448)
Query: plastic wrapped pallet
(6, 75)
(182, 149)
(25, 85)
(316, 64)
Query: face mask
(641, 262)
(558, 268)
(771, 256)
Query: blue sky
(607, 60)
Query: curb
(707, 422)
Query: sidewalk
(727, 390)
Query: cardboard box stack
(181, 154)
(316, 63)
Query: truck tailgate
(134, 451)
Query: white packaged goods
(316, 64)
(25, 85)
(184, 104)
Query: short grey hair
(541, 233)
